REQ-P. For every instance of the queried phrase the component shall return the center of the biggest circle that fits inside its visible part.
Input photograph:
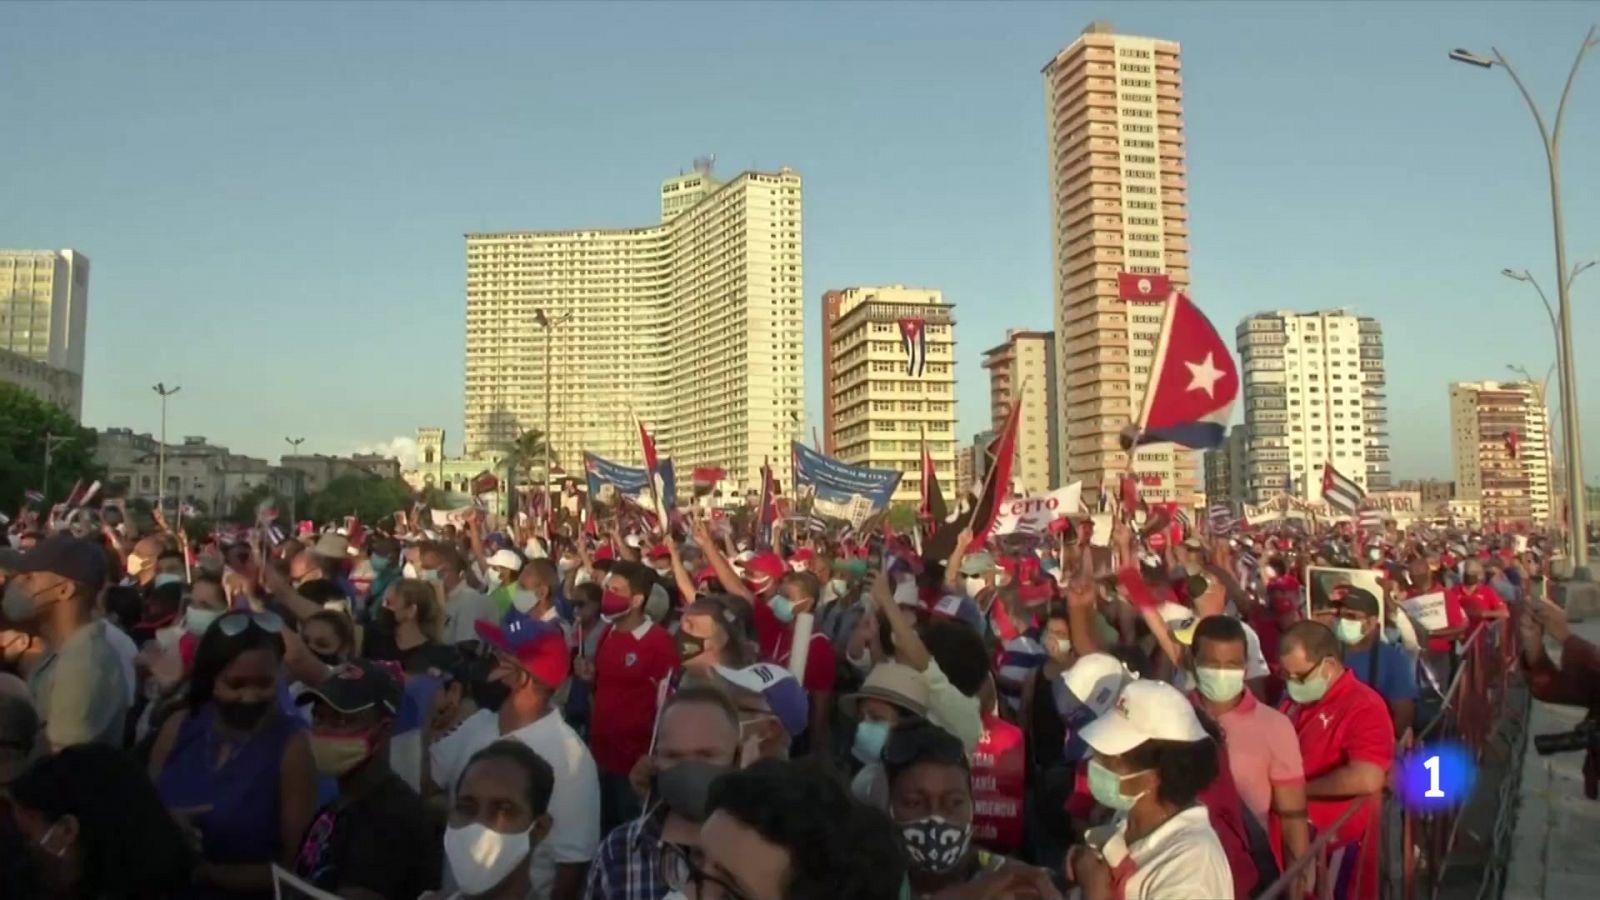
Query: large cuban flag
(1193, 383)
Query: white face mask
(408, 570)
(839, 586)
(481, 858)
(975, 586)
(664, 571)
(566, 565)
(493, 580)
(524, 600)
(136, 564)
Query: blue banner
(608, 481)
(841, 490)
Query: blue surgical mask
(166, 578)
(782, 608)
(870, 738)
(1106, 786)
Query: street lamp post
(161, 451)
(1569, 387)
(294, 492)
(549, 326)
(51, 442)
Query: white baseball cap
(506, 559)
(1096, 680)
(1145, 711)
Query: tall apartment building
(1313, 393)
(881, 408)
(1508, 476)
(831, 300)
(1114, 110)
(44, 305)
(1224, 468)
(1023, 371)
(694, 323)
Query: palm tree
(527, 452)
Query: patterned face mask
(934, 843)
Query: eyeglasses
(233, 624)
(1308, 674)
(681, 873)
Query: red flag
(485, 483)
(1143, 288)
(706, 479)
(998, 485)
(648, 445)
(932, 510)
(1193, 383)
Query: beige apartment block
(880, 409)
(1509, 487)
(1023, 371)
(1119, 202)
(694, 323)
(44, 306)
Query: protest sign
(1324, 587)
(1429, 611)
(1033, 515)
(839, 490)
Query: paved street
(1555, 853)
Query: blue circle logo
(1437, 777)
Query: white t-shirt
(1181, 860)
(464, 607)
(574, 804)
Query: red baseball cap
(769, 564)
(603, 553)
(802, 556)
(538, 647)
(659, 551)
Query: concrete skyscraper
(44, 305)
(1114, 112)
(695, 323)
(883, 401)
(1500, 446)
(1313, 389)
(1023, 370)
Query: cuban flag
(914, 339)
(1193, 383)
(652, 468)
(1219, 518)
(1340, 492)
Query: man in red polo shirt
(634, 659)
(1347, 747)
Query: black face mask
(689, 646)
(686, 787)
(243, 716)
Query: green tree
(526, 453)
(25, 420)
(370, 498)
(902, 516)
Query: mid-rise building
(1119, 202)
(1225, 469)
(1313, 389)
(694, 324)
(62, 388)
(1022, 371)
(44, 306)
(1500, 447)
(965, 469)
(887, 395)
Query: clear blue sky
(273, 196)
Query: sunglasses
(233, 624)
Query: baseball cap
(768, 564)
(961, 609)
(539, 647)
(778, 687)
(1181, 619)
(506, 559)
(1096, 680)
(893, 683)
(975, 564)
(1359, 600)
(659, 551)
(74, 559)
(356, 686)
(1145, 711)
(802, 557)
(332, 546)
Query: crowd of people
(463, 711)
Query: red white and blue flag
(766, 508)
(1193, 383)
(914, 339)
(1340, 492)
(652, 471)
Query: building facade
(1022, 371)
(1225, 468)
(1500, 448)
(830, 315)
(1119, 201)
(1313, 389)
(44, 306)
(883, 402)
(694, 323)
(62, 388)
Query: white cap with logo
(1145, 711)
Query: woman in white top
(1152, 759)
